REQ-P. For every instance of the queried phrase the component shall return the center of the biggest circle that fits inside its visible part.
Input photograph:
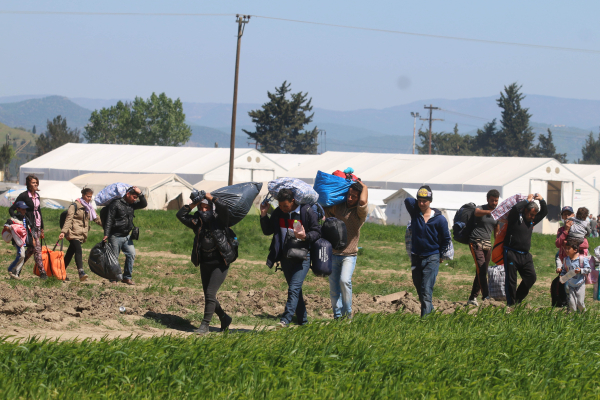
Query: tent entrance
(554, 200)
(175, 204)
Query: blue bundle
(332, 189)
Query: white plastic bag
(496, 279)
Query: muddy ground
(93, 310)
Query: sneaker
(281, 325)
(202, 329)
(82, 276)
(43, 276)
(13, 275)
(473, 302)
(225, 322)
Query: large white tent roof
(289, 161)
(191, 163)
(160, 189)
(589, 172)
(394, 171)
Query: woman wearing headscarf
(210, 226)
(31, 198)
(76, 228)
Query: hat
(567, 208)
(21, 204)
(425, 193)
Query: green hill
(37, 111)
(22, 140)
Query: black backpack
(334, 231)
(464, 223)
(104, 212)
(63, 215)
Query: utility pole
(430, 119)
(415, 116)
(242, 21)
(323, 140)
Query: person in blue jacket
(430, 239)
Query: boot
(225, 322)
(203, 329)
(82, 275)
(43, 275)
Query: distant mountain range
(386, 130)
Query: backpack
(63, 215)
(321, 255)
(104, 212)
(464, 223)
(334, 231)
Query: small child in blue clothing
(575, 286)
(20, 226)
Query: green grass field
(525, 354)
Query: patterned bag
(303, 192)
(111, 192)
(496, 279)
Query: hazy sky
(193, 57)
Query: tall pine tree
(57, 134)
(280, 123)
(591, 150)
(515, 138)
(546, 148)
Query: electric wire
(426, 35)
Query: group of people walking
(292, 224)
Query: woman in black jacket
(281, 225)
(208, 224)
(34, 214)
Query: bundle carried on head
(333, 188)
(111, 192)
(303, 192)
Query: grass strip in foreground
(525, 354)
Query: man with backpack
(430, 239)
(481, 245)
(118, 224)
(353, 212)
(521, 220)
(294, 228)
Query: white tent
(53, 194)
(162, 191)
(190, 163)
(448, 202)
(509, 175)
(377, 205)
(289, 161)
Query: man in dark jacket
(119, 224)
(206, 224)
(521, 219)
(281, 226)
(430, 239)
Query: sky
(193, 57)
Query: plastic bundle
(332, 189)
(111, 192)
(303, 192)
(103, 261)
(238, 199)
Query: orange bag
(54, 262)
(498, 249)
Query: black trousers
(523, 264)
(213, 277)
(482, 261)
(74, 249)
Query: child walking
(575, 267)
(20, 231)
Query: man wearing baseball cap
(430, 239)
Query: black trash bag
(321, 257)
(334, 231)
(238, 199)
(103, 261)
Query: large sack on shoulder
(334, 231)
(111, 192)
(321, 257)
(238, 199)
(103, 261)
(303, 192)
(332, 189)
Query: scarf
(89, 209)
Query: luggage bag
(54, 262)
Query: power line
(464, 115)
(426, 35)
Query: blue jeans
(17, 264)
(424, 272)
(125, 244)
(295, 272)
(340, 285)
